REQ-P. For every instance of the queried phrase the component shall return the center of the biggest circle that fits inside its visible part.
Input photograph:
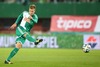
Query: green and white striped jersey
(26, 25)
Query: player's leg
(31, 39)
(19, 42)
(22, 32)
(13, 53)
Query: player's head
(32, 9)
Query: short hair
(32, 6)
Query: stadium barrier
(53, 40)
(78, 24)
(70, 40)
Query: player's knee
(25, 35)
(18, 45)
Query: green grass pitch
(33, 57)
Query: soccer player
(23, 25)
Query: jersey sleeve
(34, 19)
(19, 18)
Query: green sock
(14, 51)
(28, 37)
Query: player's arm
(31, 20)
(17, 21)
(34, 20)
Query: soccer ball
(86, 48)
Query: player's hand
(13, 26)
(30, 17)
(27, 19)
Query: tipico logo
(70, 23)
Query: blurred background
(46, 11)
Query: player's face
(31, 11)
